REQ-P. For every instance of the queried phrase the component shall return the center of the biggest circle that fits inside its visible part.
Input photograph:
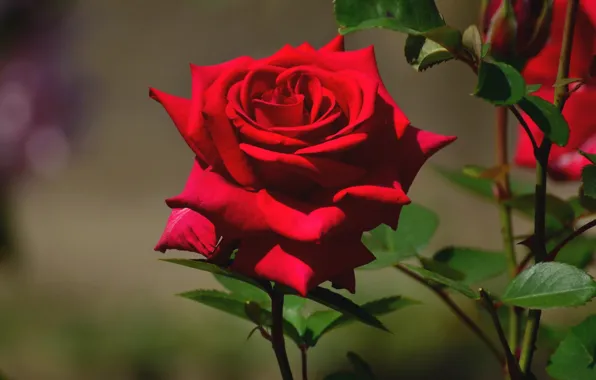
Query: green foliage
(475, 265)
(547, 117)
(482, 187)
(362, 370)
(578, 252)
(249, 300)
(433, 277)
(589, 181)
(214, 269)
(500, 84)
(320, 323)
(417, 225)
(559, 213)
(550, 285)
(244, 291)
(575, 358)
(430, 40)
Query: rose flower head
(566, 163)
(297, 155)
(516, 29)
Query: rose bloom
(565, 162)
(297, 155)
(517, 34)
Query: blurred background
(87, 159)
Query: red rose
(297, 155)
(565, 162)
(516, 29)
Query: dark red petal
(390, 195)
(301, 266)
(196, 138)
(415, 147)
(300, 221)
(346, 280)
(335, 45)
(221, 129)
(229, 207)
(268, 114)
(326, 172)
(337, 145)
(187, 230)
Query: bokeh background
(87, 297)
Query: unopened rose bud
(516, 29)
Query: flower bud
(516, 29)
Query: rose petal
(301, 266)
(300, 221)
(255, 84)
(390, 195)
(416, 146)
(346, 280)
(335, 45)
(326, 172)
(229, 207)
(197, 139)
(187, 230)
(222, 131)
(339, 144)
(268, 114)
(305, 46)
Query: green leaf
(500, 83)
(235, 305)
(472, 40)
(361, 367)
(550, 285)
(345, 306)
(406, 16)
(578, 252)
(442, 269)
(417, 225)
(559, 212)
(589, 156)
(589, 181)
(547, 117)
(532, 88)
(423, 53)
(243, 290)
(575, 358)
(482, 187)
(322, 322)
(475, 264)
(294, 312)
(450, 283)
(551, 336)
(214, 269)
(430, 41)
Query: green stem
(540, 253)
(304, 360)
(277, 334)
(503, 193)
(512, 365)
(466, 320)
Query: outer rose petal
(301, 266)
(415, 147)
(335, 45)
(187, 230)
(229, 207)
(217, 123)
(179, 110)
